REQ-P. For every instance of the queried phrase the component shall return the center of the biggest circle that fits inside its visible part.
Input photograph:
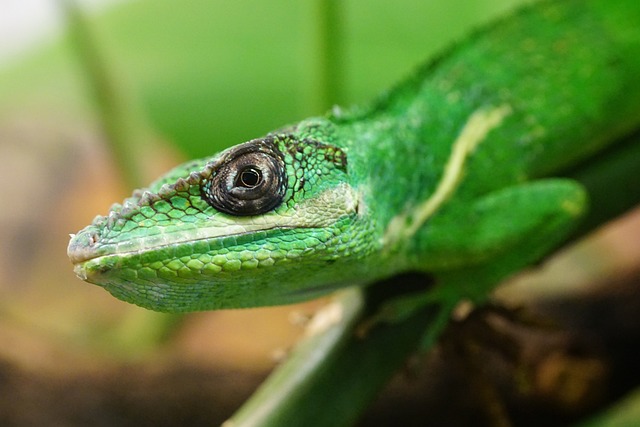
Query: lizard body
(451, 172)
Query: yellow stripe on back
(475, 130)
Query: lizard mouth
(93, 260)
(96, 241)
(86, 245)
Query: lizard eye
(250, 180)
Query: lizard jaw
(89, 244)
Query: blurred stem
(611, 180)
(334, 372)
(129, 139)
(330, 40)
(624, 413)
(123, 128)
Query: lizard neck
(461, 127)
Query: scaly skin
(448, 173)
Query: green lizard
(450, 173)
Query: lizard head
(255, 225)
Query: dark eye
(249, 180)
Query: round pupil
(250, 178)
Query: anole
(450, 173)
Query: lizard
(455, 172)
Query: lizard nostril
(93, 239)
(83, 245)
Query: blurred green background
(211, 73)
(192, 77)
